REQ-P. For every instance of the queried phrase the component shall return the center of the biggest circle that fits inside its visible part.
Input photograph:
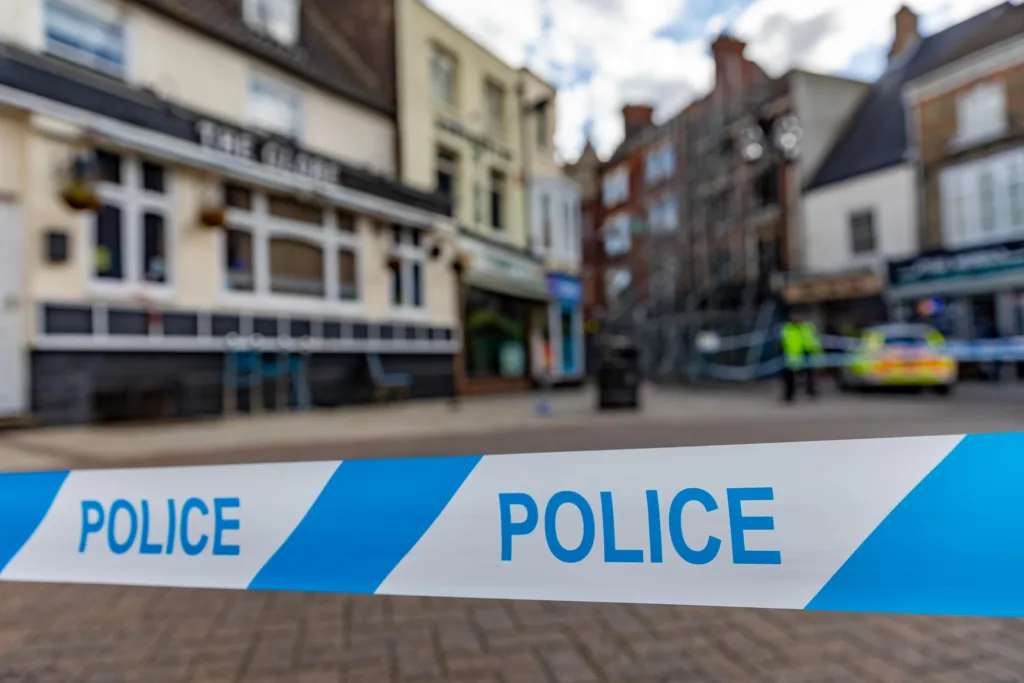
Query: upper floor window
(618, 238)
(276, 19)
(663, 216)
(615, 187)
(660, 163)
(981, 113)
(448, 177)
(87, 32)
(983, 200)
(541, 127)
(131, 236)
(494, 101)
(442, 76)
(862, 231)
(275, 108)
(617, 281)
(497, 200)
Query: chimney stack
(907, 33)
(637, 117)
(728, 52)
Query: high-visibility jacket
(799, 341)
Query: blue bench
(385, 385)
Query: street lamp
(780, 137)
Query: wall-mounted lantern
(212, 212)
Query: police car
(900, 355)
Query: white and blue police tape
(917, 525)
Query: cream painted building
(555, 230)
(463, 120)
(240, 168)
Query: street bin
(618, 375)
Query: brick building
(966, 114)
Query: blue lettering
(220, 525)
(654, 525)
(510, 528)
(90, 526)
(551, 531)
(133, 527)
(739, 524)
(675, 526)
(189, 547)
(145, 547)
(611, 553)
(170, 526)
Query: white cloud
(615, 42)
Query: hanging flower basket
(80, 196)
(213, 217)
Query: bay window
(983, 200)
(131, 234)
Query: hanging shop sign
(949, 265)
(565, 288)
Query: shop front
(565, 324)
(505, 310)
(973, 293)
(839, 303)
(154, 256)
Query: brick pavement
(78, 634)
(59, 634)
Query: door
(13, 382)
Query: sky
(601, 54)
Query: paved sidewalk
(978, 408)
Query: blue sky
(604, 53)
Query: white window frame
(408, 255)
(133, 202)
(981, 114)
(617, 231)
(960, 200)
(282, 26)
(285, 92)
(327, 237)
(494, 118)
(852, 223)
(441, 56)
(102, 12)
(659, 163)
(615, 187)
(610, 275)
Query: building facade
(860, 205)
(199, 196)
(585, 172)
(462, 121)
(966, 116)
(555, 234)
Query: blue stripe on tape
(25, 498)
(954, 545)
(368, 517)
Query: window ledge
(129, 291)
(286, 305)
(960, 143)
(409, 314)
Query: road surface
(74, 634)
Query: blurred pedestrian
(800, 344)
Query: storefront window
(296, 268)
(130, 239)
(496, 335)
(239, 264)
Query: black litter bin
(618, 375)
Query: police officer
(799, 344)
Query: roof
(875, 137)
(1010, 25)
(322, 56)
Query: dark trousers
(789, 381)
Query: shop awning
(833, 288)
(514, 288)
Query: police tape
(917, 525)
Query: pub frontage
(144, 243)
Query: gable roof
(1010, 25)
(875, 137)
(322, 56)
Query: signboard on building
(565, 288)
(502, 269)
(270, 152)
(949, 265)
